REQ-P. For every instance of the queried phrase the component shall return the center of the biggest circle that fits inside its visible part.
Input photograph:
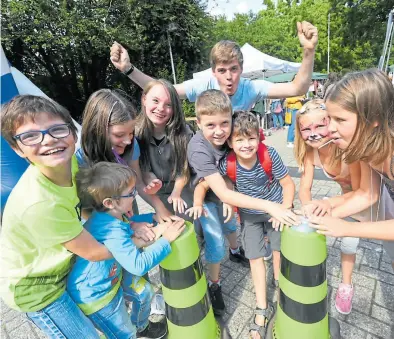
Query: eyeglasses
(32, 138)
(132, 194)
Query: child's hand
(196, 212)
(318, 208)
(174, 230)
(228, 212)
(178, 204)
(153, 187)
(282, 214)
(163, 214)
(160, 229)
(277, 225)
(330, 226)
(143, 230)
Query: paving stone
(25, 331)
(231, 281)
(370, 336)
(236, 267)
(330, 241)
(383, 314)
(238, 320)
(369, 324)
(351, 332)
(246, 297)
(333, 280)
(3, 332)
(384, 295)
(386, 267)
(15, 322)
(362, 280)
(371, 258)
(362, 299)
(370, 245)
(377, 274)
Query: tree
(63, 45)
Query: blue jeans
(63, 319)
(114, 321)
(290, 132)
(214, 229)
(277, 119)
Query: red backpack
(264, 157)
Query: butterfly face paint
(314, 131)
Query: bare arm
(121, 60)
(365, 196)
(288, 189)
(335, 227)
(85, 246)
(199, 193)
(306, 182)
(307, 35)
(219, 187)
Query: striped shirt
(255, 182)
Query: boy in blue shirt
(99, 288)
(205, 150)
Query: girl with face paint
(314, 149)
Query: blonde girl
(361, 110)
(314, 149)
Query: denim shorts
(214, 229)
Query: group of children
(183, 176)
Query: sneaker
(215, 292)
(239, 257)
(153, 331)
(343, 300)
(290, 145)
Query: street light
(328, 41)
(171, 28)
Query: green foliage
(356, 31)
(63, 45)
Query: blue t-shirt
(134, 156)
(90, 283)
(255, 182)
(247, 94)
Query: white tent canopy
(257, 65)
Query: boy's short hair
(211, 102)
(245, 123)
(224, 52)
(102, 180)
(26, 107)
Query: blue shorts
(214, 229)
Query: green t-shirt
(39, 216)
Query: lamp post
(171, 28)
(328, 41)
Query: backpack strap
(261, 135)
(265, 161)
(232, 166)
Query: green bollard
(188, 308)
(302, 303)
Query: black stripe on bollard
(303, 313)
(305, 276)
(181, 279)
(189, 316)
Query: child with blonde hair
(314, 149)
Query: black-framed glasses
(132, 194)
(32, 138)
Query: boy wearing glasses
(100, 288)
(41, 226)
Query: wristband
(129, 71)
